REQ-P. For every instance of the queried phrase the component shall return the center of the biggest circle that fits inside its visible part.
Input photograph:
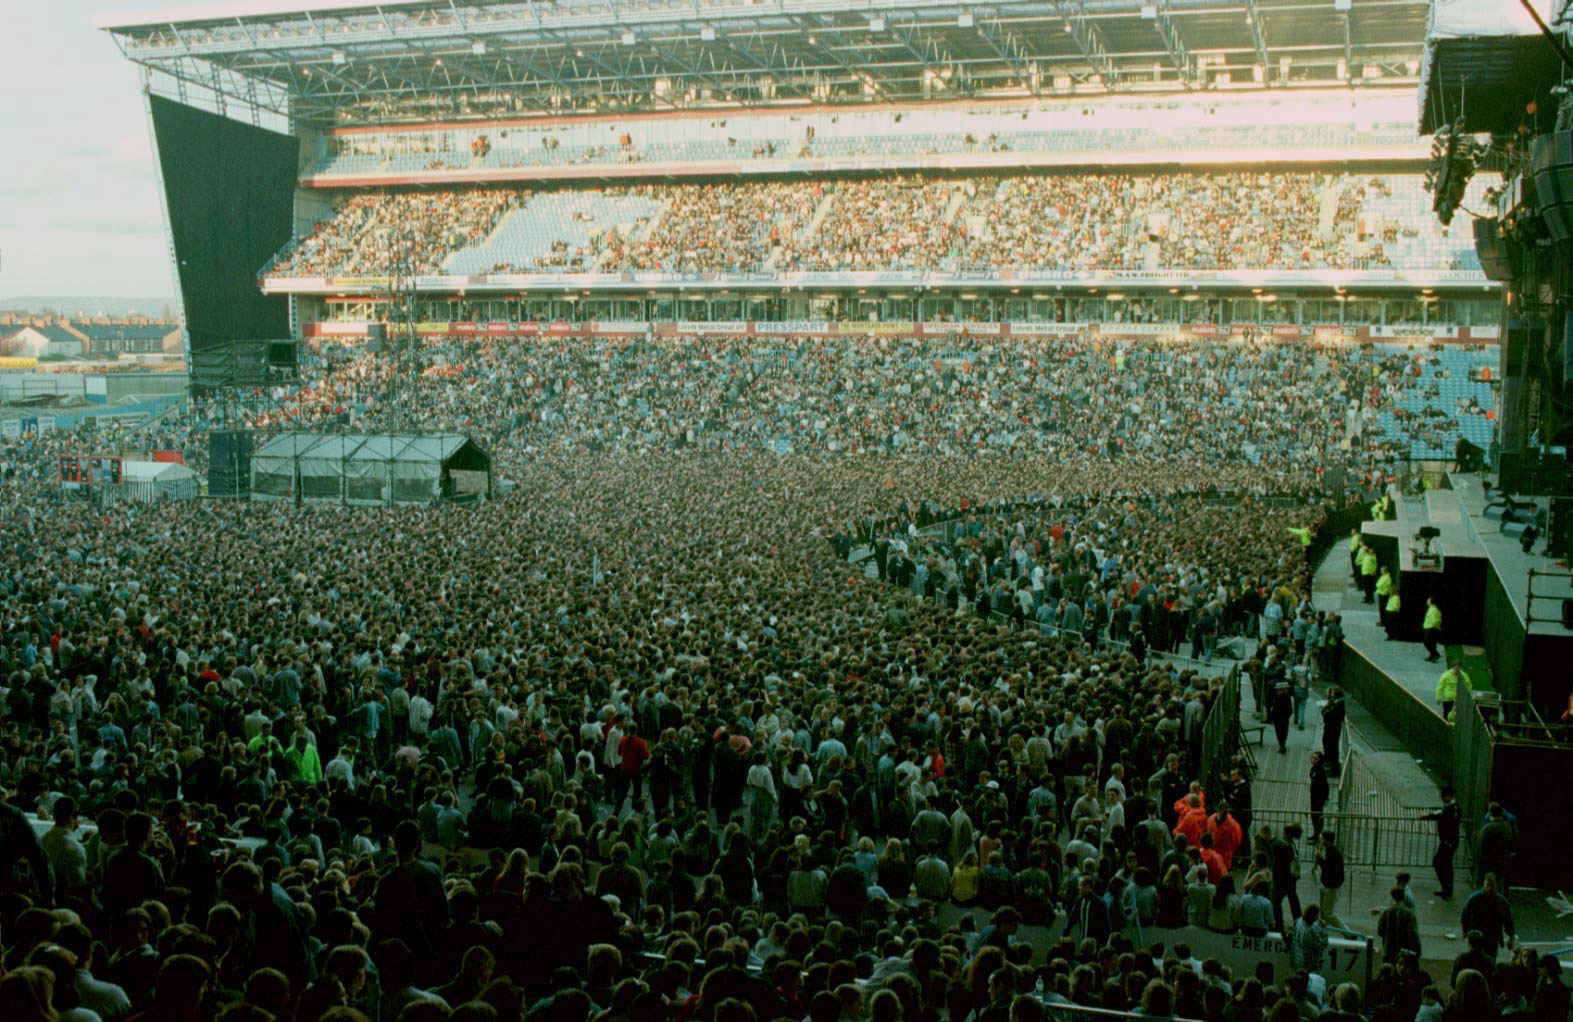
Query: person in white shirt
(610, 758)
(505, 715)
(1114, 811)
(420, 716)
(1117, 780)
(342, 766)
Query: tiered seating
(1420, 241)
(1434, 409)
(559, 230)
(1235, 221)
(528, 150)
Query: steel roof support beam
(835, 58)
(619, 75)
(1089, 40)
(1349, 60)
(516, 54)
(777, 75)
(691, 69)
(902, 35)
(1253, 16)
(1178, 56)
(1005, 42)
(219, 80)
(926, 61)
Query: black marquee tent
(370, 470)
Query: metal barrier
(1221, 733)
(1373, 842)
(1361, 791)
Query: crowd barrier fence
(1367, 841)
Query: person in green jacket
(1354, 555)
(304, 761)
(1447, 687)
(263, 743)
(1368, 564)
(1384, 589)
(1431, 630)
(1390, 608)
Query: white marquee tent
(369, 469)
(157, 480)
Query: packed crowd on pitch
(647, 738)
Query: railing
(1372, 842)
(1361, 791)
(1221, 733)
(903, 278)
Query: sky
(79, 202)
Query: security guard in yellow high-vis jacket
(1447, 688)
(1431, 630)
(1368, 573)
(1384, 589)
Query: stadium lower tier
(1289, 408)
(982, 224)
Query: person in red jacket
(1225, 830)
(1193, 820)
(632, 754)
(1216, 870)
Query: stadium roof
(1486, 61)
(413, 60)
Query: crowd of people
(406, 232)
(1264, 415)
(1219, 221)
(643, 739)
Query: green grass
(1475, 665)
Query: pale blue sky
(79, 203)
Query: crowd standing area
(1290, 221)
(644, 738)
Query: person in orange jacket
(1193, 821)
(1197, 792)
(1225, 830)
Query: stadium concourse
(635, 740)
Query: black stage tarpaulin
(229, 189)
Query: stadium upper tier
(1289, 222)
(483, 154)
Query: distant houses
(95, 339)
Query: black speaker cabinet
(1551, 161)
(229, 463)
(1498, 256)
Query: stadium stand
(1065, 222)
(562, 230)
(370, 233)
(368, 154)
